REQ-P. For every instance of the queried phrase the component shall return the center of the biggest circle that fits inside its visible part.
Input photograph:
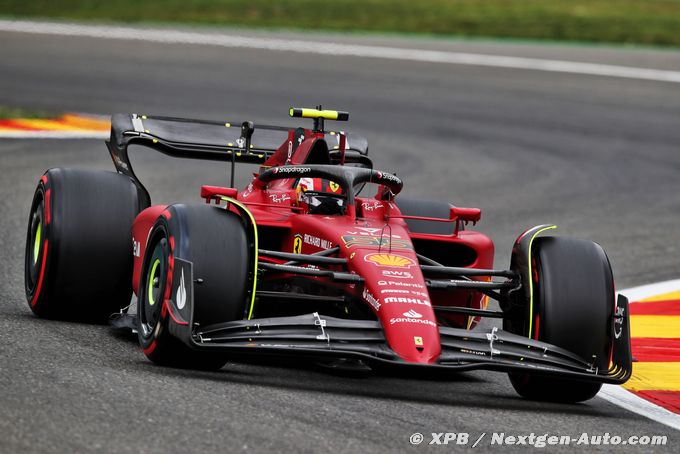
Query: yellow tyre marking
(531, 279)
(256, 247)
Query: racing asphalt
(598, 156)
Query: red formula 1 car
(306, 261)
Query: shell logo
(397, 261)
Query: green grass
(13, 112)
(655, 22)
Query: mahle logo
(401, 299)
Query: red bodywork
(377, 244)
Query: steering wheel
(326, 202)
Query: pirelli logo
(375, 241)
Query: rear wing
(206, 140)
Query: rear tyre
(217, 244)
(78, 262)
(573, 308)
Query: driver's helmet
(321, 196)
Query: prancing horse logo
(297, 244)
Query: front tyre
(573, 308)
(216, 243)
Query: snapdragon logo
(292, 169)
(389, 177)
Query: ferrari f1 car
(305, 261)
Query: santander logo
(412, 314)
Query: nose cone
(413, 334)
(396, 291)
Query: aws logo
(392, 260)
(397, 274)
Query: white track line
(626, 399)
(336, 49)
(647, 291)
(54, 135)
(620, 396)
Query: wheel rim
(154, 284)
(152, 293)
(34, 244)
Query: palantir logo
(412, 314)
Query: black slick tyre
(217, 244)
(78, 262)
(573, 309)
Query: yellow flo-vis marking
(314, 113)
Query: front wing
(321, 338)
